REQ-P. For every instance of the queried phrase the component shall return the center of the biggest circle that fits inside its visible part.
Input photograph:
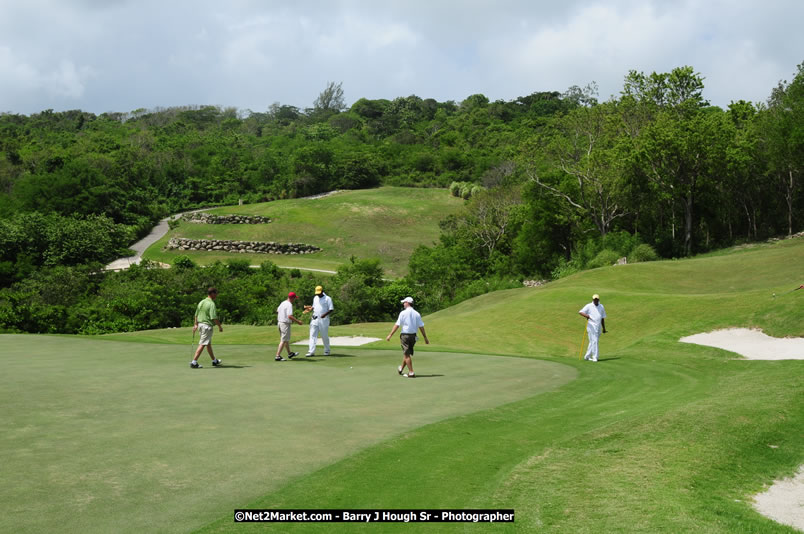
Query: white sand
(344, 341)
(784, 500)
(752, 344)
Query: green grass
(109, 436)
(386, 223)
(115, 433)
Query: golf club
(192, 346)
(583, 337)
(788, 292)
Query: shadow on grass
(227, 366)
(608, 359)
(426, 376)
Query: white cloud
(67, 80)
(104, 56)
(23, 80)
(17, 75)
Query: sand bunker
(344, 341)
(784, 501)
(752, 344)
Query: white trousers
(319, 326)
(594, 335)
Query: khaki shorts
(205, 331)
(407, 341)
(284, 332)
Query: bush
(466, 190)
(183, 262)
(604, 258)
(564, 268)
(643, 252)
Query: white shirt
(409, 320)
(321, 305)
(595, 313)
(284, 311)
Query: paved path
(157, 232)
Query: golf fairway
(102, 436)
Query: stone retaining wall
(242, 247)
(206, 218)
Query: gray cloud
(101, 55)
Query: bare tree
(491, 214)
(331, 98)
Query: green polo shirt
(206, 311)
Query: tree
(783, 137)
(674, 135)
(586, 149)
(330, 100)
(491, 216)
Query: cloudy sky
(122, 55)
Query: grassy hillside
(385, 223)
(659, 436)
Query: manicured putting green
(106, 436)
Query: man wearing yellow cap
(319, 322)
(595, 315)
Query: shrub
(564, 268)
(466, 190)
(183, 262)
(604, 258)
(643, 252)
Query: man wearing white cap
(409, 320)
(284, 315)
(319, 322)
(595, 315)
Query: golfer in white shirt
(595, 315)
(319, 322)
(284, 315)
(409, 320)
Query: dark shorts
(407, 340)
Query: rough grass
(386, 223)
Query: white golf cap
(407, 299)
(595, 296)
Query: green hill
(385, 223)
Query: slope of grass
(659, 436)
(385, 223)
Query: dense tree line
(656, 172)
(83, 299)
(568, 182)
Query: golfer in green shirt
(205, 316)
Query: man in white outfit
(319, 323)
(409, 320)
(595, 315)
